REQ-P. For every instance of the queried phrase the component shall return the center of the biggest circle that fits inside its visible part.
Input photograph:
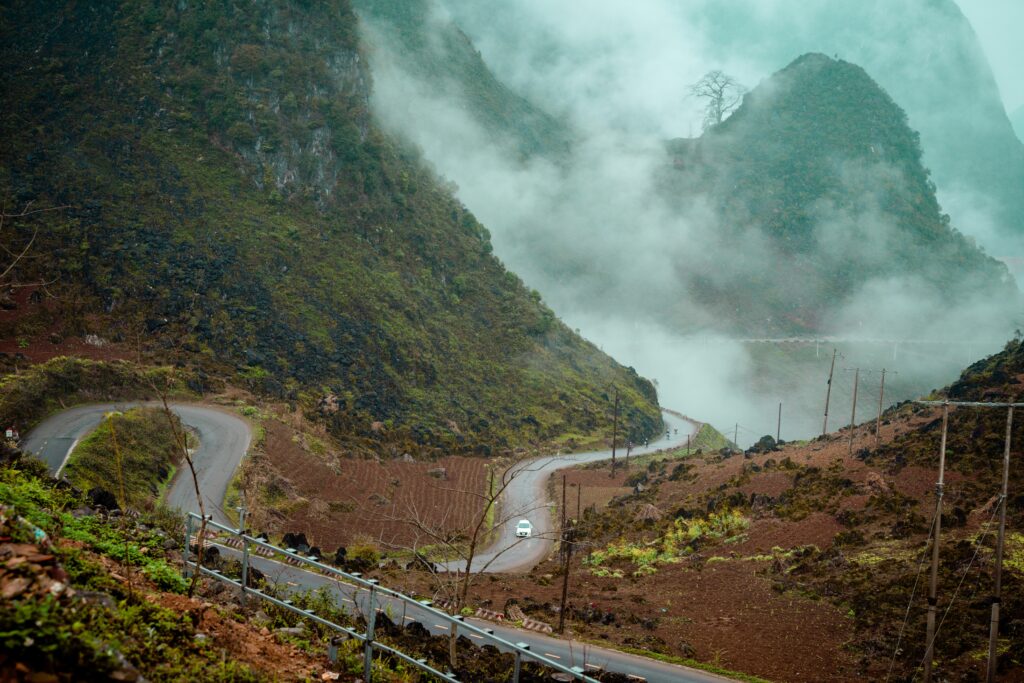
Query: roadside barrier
(237, 538)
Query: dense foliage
(132, 455)
(232, 206)
(820, 168)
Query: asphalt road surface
(526, 498)
(223, 441)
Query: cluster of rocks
(29, 569)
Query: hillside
(949, 93)
(418, 38)
(227, 202)
(795, 559)
(818, 169)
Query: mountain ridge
(233, 205)
(820, 163)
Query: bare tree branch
(17, 257)
(723, 94)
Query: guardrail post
(519, 656)
(245, 551)
(188, 540)
(368, 645)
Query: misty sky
(1000, 26)
(599, 241)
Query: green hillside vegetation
(28, 396)
(820, 161)
(232, 207)
(429, 46)
(136, 448)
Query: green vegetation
(235, 209)
(50, 510)
(144, 441)
(32, 394)
(681, 538)
(709, 439)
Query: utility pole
(687, 444)
(933, 581)
(828, 393)
(579, 498)
(993, 633)
(853, 412)
(878, 422)
(615, 430)
(778, 425)
(562, 549)
(567, 540)
(1000, 540)
(736, 435)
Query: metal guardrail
(373, 588)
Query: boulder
(100, 497)
(294, 540)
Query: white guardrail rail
(374, 591)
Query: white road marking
(548, 654)
(477, 636)
(66, 457)
(441, 627)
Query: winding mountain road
(224, 439)
(526, 498)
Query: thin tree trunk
(182, 443)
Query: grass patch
(131, 454)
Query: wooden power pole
(568, 539)
(997, 595)
(615, 429)
(934, 579)
(563, 515)
(878, 421)
(778, 425)
(853, 412)
(828, 393)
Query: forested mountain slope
(818, 170)
(231, 204)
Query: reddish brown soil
(38, 347)
(342, 499)
(723, 604)
(258, 648)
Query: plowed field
(334, 500)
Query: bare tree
(454, 577)
(181, 444)
(723, 94)
(13, 256)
